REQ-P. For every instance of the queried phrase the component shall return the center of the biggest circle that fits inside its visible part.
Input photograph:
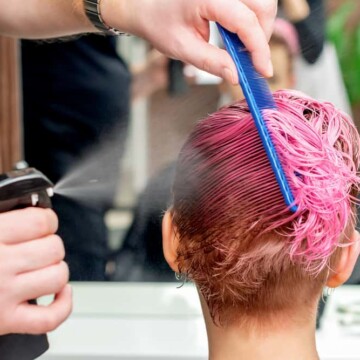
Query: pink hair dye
(222, 184)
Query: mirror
(108, 134)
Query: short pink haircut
(237, 241)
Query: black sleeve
(22, 346)
(311, 31)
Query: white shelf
(160, 321)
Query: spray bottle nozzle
(24, 187)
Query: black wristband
(92, 10)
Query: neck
(283, 341)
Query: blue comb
(258, 97)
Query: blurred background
(104, 118)
(315, 49)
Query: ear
(343, 269)
(170, 241)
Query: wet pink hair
(237, 240)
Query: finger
(36, 319)
(238, 18)
(36, 254)
(266, 13)
(47, 281)
(27, 224)
(211, 59)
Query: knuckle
(57, 249)
(252, 20)
(265, 7)
(48, 323)
(61, 275)
(39, 220)
(58, 277)
(178, 49)
(53, 219)
(207, 8)
(206, 64)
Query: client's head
(229, 230)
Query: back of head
(237, 241)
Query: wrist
(114, 14)
(95, 13)
(79, 11)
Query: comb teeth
(259, 98)
(254, 85)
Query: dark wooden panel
(10, 125)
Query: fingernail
(270, 69)
(229, 76)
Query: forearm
(177, 28)
(43, 18)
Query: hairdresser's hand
(180, 29)
(31, 266)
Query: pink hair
(321, 160)
(287, 33)
(228, 208)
